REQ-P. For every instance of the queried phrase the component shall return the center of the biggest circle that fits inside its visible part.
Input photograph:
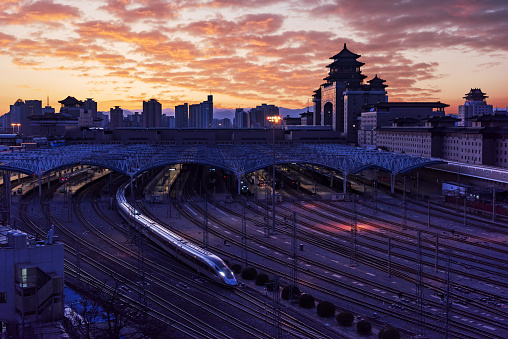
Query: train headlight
(222, 273)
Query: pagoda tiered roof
(377, 82)
(70, 102)
(475, 94)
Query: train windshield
(221, 267)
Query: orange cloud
(132, 10)
(45, 11)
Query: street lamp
(18, 127)
(274, 120)
(13, 128)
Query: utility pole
(78, 264)
(437, 253)
(447, 297)
(428, 213)
(354, 244)
(141, 270)
(294, 257)
(276, 309)
(493, 204)
(419, 286)
(244, 233)
(465, 213)
(404, 220)
(205, 223)
(389, 257)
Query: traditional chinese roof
(475, 94)
(377, 82)
(345, 54)
(70, 102)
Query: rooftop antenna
(47, 101)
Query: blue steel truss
(237, 159)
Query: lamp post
(274, 120)
(13, 128)
(18, 127)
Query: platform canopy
(237, 159)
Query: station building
(338, 102)
(485, 142)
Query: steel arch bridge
(237, 159)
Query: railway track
(198, 221)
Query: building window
(3, 297)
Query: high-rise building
(34, 107)
(90, 105)
(201, 115)
(221, 123)
(171, 122)
(116, 117)
(193, 115)
(182, 116)
(240, 120)
(21, 110)
(152, 113)
(338, 102)
(258, 116)
(206, 113)
(475, 105)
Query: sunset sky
(247, 52)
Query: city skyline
(122, 53)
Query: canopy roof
(238, 159)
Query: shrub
(249, 273)
(389, 333)
(261, 279)
(326, 309)
(363, 327)
(270, 286)
(236, 268)
(345, 318)
(306, 301)
(290, 291)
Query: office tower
(241, 120)
(152, 113)
(206, 113)
(90, 105)
(182, 116)
(34, 107)
(115, 117)
(201, 115)
(258, 116)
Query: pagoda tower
(338, 102)
(474, 105)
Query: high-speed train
(204, 262)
